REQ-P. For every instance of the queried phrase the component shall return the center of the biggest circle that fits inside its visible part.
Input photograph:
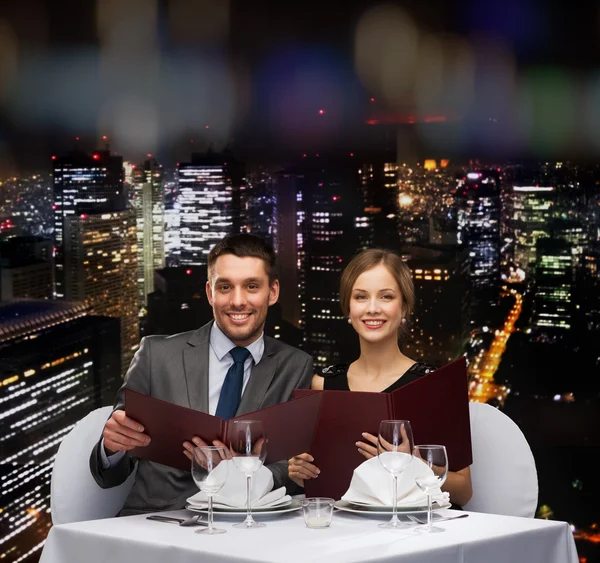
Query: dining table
(351, 537)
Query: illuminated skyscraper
(101, 270)
(83, 184)
(589, 287)
(258, 203)
(439, 327)
(208, 204)
(574, 233)
(532, 208)
(57, 363)
(379, 223)
(148, 202)
(478, 204)
(553, 298)
(172, 218)
(289, 245)
(330, 201)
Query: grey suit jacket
(175, 368)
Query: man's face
(240, 294)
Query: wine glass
(210, 475)
(436, 458)
(395, 452)
(248, 446)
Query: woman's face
(376, 307)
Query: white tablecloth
(478, 538)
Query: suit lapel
(195, 367)
(260, 379)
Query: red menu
(289, 427)
(436, 404)
(325, 423)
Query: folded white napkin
(233, 493)
(372, 485)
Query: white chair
(503, 473)
(74, 494)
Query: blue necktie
(231, 392)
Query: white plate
(367, 510)
(290, 507)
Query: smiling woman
(377, 295)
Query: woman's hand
(368, 448)
(300, 469)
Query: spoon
(192, 521)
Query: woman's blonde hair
(368, 259)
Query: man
(227, 367)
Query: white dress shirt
(219, 361)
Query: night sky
(264, 40)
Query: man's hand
(300, 469)
(122, 434)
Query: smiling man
(228, 367)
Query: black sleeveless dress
(336, 376)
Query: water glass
(436, 458)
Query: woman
(377, 295)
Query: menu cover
(437, 405)
(327, 424)
(289, 427)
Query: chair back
(503, 473)
(74, 494)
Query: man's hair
(243, 245)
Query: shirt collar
(221, 344)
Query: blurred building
(554, 280)
(172, 218)
(532, 209)
(574, 233)
(208, 204)
(83, 183)
(26, 268)
(479, 210)
(258, 203)
(178, 302)
(329, 198)
(378, 225)
(443, 230)
(148, 202)
(439, 328)
(427, 204)
(277, 327)
(57, 363)
(26, 247)
(289, 244)
(588, 287)
(101, 270)
(26, 206)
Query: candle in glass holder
(317, 512)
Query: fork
(193, 521)
(440, 519)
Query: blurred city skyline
(510, 79)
